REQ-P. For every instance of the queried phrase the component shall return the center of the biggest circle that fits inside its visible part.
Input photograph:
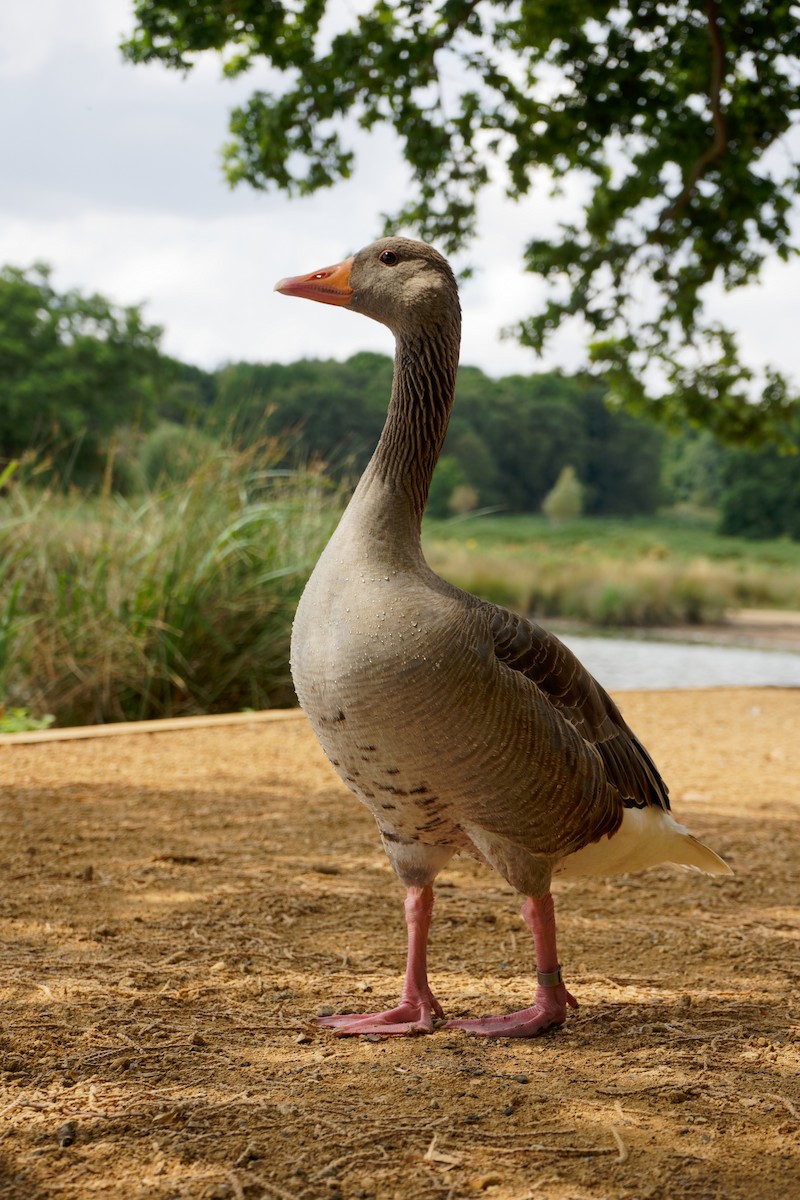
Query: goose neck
(423, 388)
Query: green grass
(610, 572)
(677, 536)
(178, 602)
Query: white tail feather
(647, 837)
(700, 857)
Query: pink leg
(415, 1012)
(552, 998)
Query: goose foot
(412, 1016)
(548, 1010)
(552, 998)
(418, 1006)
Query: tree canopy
(760, 493)
(73, 368)
(671, 114)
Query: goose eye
(389, 258)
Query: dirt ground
(178, 905)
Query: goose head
(402, 283)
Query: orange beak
(331, 285)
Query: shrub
(464, 499)
(19, 720)
(565, 500)
(448, 476)
(171, 454)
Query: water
(630, 663)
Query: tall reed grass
(177, 602)
(611, 591)
(180, 600)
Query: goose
(462, 726)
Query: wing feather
(541, 657)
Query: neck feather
(422, 397)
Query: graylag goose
(460, 725)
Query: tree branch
(720, 143)
(449, 30)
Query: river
(642, 663)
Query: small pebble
(67, 1133)
(481, 1182)
(250, 1154)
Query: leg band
(549, 978)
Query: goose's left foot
(548, 1010)
(552, 998)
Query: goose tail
(646, 838)
(695, 856)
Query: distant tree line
(83, 384)
(508, 439)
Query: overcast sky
(111, 173)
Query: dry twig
(621, 1147)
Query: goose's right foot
(412, 1016)
(418, 1006)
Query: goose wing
(523, 646)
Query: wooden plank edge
(168, 725)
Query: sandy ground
(178, 905)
